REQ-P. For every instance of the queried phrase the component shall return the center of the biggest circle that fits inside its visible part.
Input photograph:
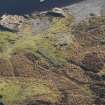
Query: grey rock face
(11, 22)
(40, 25)
(103, 10)
(84, 8)
(57, 12)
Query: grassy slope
(18, 90)
(44, 43)
(9, 42)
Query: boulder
(11, 22)
(58, 12)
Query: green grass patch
(10, 42)
(18, 90)
(7, 40)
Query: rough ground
(62, 64)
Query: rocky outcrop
(57, 12)
(103, 10)
(11, 22)
(40, 24)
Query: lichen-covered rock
(40, 24)
(11, 22)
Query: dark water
(29, 6)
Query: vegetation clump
(15, 91)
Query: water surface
(29, 6)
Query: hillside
(53, 58)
